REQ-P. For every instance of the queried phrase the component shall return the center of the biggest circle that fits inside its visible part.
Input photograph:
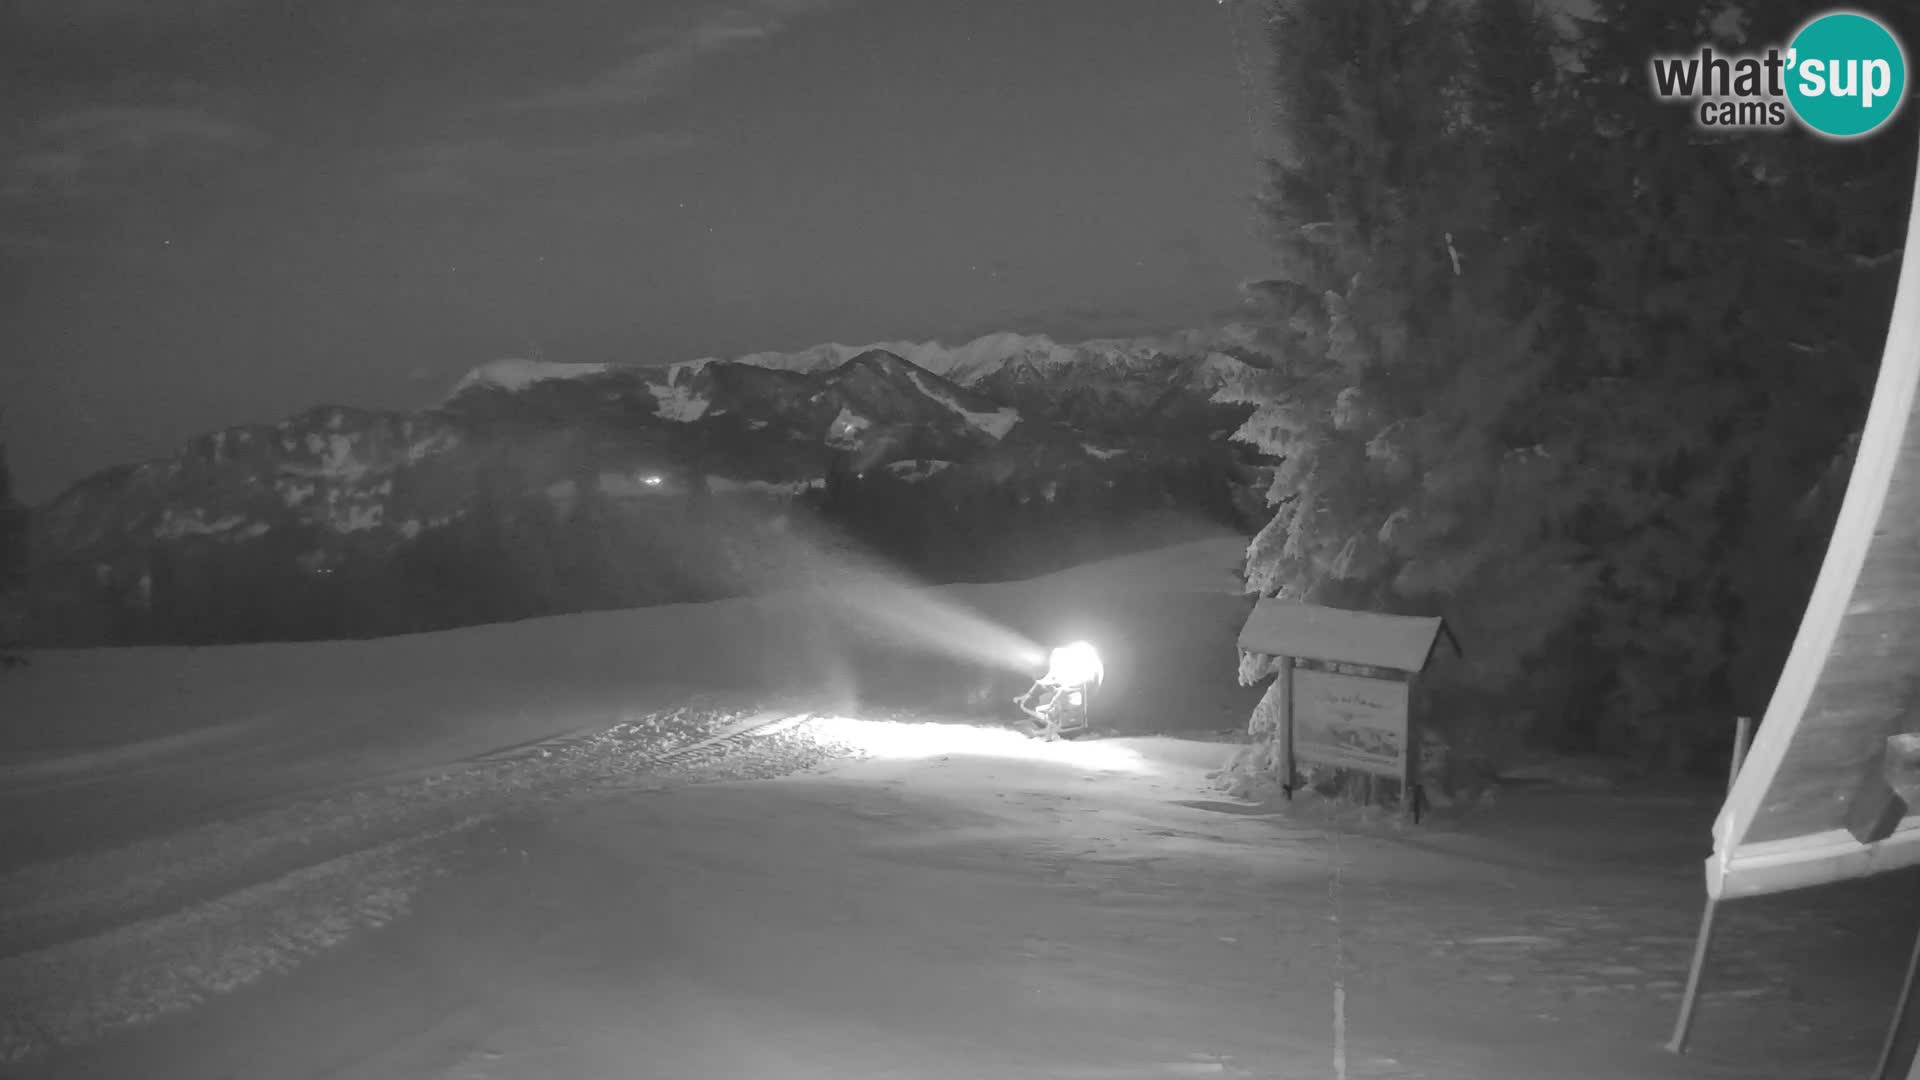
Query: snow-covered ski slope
(957, 903)
(104, 746)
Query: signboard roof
(1308, 632)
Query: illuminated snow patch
(814, 358)
(895, 741)
(175, 524)
(336, 456)
(968, 363)
(912, 471)
(676, 402)
(634, 485)
(846, 429)
(996, 424)
(358, 519)
(514, 374)
(439, 442)
(720, 484)
(1217, 369)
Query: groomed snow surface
(459, 857)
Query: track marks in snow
(84, 893)
(57, 997)
(97, 943)
(1633, 950)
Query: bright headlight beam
(921, 620)
(1075, 665)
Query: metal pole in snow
(1899, 1032)
(1683, 1024)
(1742, 738)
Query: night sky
(216, 212)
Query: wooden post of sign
(1287, 770)
(1410, 792)
(1683, 1024)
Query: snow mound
(514, 374)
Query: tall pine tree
(1419, 467)
(1729, 315)
(1560, 364)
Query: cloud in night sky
(62, 151)
(664, 59)
(483, 165)
(93, 14)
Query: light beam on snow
(895, 741)
(884, 607)
(856, 596)
(918, 619)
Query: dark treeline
(1562, 365)
(516, 554)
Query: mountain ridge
(332, 484)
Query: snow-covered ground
(332, 861)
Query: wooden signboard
(1350, 722)
(1343, 687)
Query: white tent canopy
(1852, 677)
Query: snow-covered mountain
(1102, 382)
(1012, 408)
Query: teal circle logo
(1847, 74)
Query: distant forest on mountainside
(516, 554)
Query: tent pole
(1683, 1024)
(1902, 1029)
